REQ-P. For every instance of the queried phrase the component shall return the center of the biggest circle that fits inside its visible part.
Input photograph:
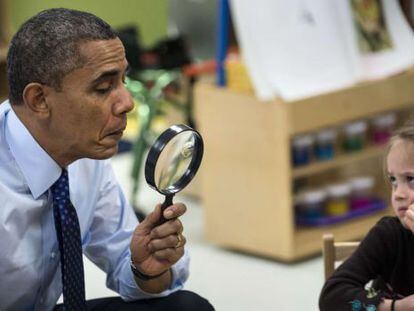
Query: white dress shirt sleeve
(108, 239)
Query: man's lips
(119, 131)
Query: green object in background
(353, 144)
(149, 16)
(151, 99)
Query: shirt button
(52, 255)
(41, 299)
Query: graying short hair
(46, 48)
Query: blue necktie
(70, 246)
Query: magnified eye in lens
(188, 149)
(174, 160)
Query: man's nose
(125, 103)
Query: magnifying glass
(173, 161)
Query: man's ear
(34, 97)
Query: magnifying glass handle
(167, 202)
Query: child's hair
(405, 132)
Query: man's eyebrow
(106, 74)
(109, 74)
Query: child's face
(400, 166)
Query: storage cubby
(247, 172)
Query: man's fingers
(174, 211)
(171, 212)
(152, 218)
(171, 241)
(170, 227)
(170, 254)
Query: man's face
(88, 113)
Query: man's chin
(104, 153)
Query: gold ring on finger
(179, 240)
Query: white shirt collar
(38, 168)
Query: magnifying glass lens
(174, 161)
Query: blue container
(311, 204)
(302, 150)
(325, 144)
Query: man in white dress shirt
(65, 115)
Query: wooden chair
(335, 253)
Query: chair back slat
(335, 253)
(344, 249)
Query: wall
(149, 16)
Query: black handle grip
(167, 202)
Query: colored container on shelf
(382, 127)
(325, 144)
(311, 203)
(361, 192)
(302, 149)
(355, 136)
(338, 199)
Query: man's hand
(155, 248)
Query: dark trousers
(179, 301)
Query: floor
(229, 280)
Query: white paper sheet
(296, 45)
(250, 45)
(300, 48)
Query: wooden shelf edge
(308, 241)
(339, 160)
(355, 102)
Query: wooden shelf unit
(337, 161)
(247, 177)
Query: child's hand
(405, 304)
(409, 218)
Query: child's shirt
(386, 254)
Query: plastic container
(355, 134)
(311, 204)
(382, 127)
(302, 149)
(325, 144)
(338, 199)
(361, 192)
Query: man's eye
(103, 89)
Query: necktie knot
(60, 189)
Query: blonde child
(386, 255)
